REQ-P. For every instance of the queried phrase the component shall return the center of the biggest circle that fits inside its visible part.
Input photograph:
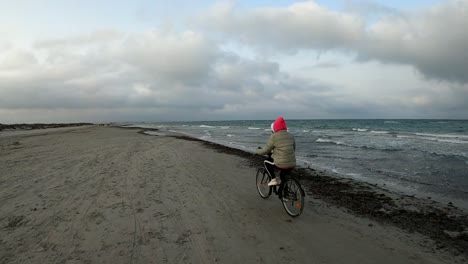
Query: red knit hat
(279, 124)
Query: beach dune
(110, 195)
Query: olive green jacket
(283, 145)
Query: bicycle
(289, 191)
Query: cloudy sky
(147, 60)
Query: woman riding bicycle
(283, 146)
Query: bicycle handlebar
(269, 154)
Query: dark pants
(271, 169)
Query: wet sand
(110, 195)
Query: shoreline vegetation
(4, 127)
(446, 224)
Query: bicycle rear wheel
(293, 197)
(262, 180)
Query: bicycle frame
(278, 189)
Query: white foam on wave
(453, 141)
(206, 126)
(253, 128)
(379, 132)
(229, 135)
(153, 133)
(442, 135)
(360, 129)
(207, 135)
(444, 138)
(145, 126)
(236, 145)
(356, 176)
(321, 140)
(306, 131)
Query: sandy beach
(109, 195)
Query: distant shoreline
(25, 126)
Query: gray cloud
(327, 64)
(5, 45)
(95, 37)
(433, 40)
(186, 75)
(178, 75)
(169, 57)
(299, 26)
(17, 59)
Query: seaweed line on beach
(447, 225)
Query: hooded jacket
(282, 144)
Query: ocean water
(427, 157)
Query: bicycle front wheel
(262, 180)
(293, 197)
